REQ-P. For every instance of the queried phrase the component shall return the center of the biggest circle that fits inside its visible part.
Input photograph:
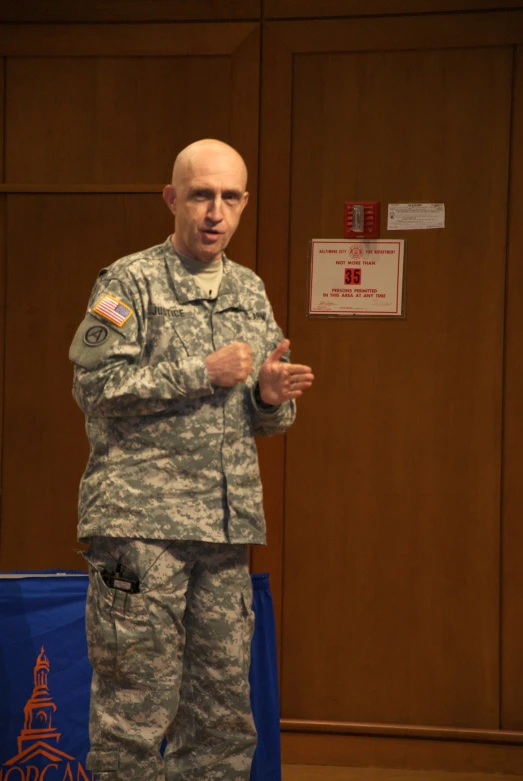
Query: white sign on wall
(356, 278)
(415, 216)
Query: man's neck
(185, 253)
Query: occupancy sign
(356, 278)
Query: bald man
(178, 364)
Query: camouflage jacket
(172, 457)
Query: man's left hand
(281, 381)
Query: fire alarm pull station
(362, 220)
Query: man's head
(207, 197)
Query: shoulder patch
(113, 310)
(96, 335)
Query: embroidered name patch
(113, 310)
(153, 310)
(257, 315)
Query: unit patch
(113, 310)
(96, 335)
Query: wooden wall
(396, 549)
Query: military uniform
(172, 495)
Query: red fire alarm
(362, 220)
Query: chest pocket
(240, 325)
(171, 338)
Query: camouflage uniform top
(172, 457)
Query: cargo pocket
(120, 633)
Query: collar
(187, 290)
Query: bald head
(208, 154)
(207, 197)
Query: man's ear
(169, 196)
(245, 200)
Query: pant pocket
(120, 634)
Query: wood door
(391, 530)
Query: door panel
(391, 529)
(392, 472)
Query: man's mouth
(209, 235)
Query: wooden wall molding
(302, 9)
(511, 531)
(128, 10)
(400, 33)
(122, 40)
(403, 730)
(85, 187)
(394, 752)
(45, 11)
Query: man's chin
(208, 255)
(210, 252)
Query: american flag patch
(113, 310)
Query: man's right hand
(230, 365)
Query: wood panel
(127, 10)
(92, 137)
(49, 279)
(122, 119)
(299, 9)
(397, 452)
(512, 561)
(118, 121)
(356, 751)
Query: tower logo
(38, 757)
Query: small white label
(415, 216)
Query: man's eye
(200, 195)
(231, 197)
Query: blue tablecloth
(45, 677)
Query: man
(178, 364)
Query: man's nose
(215, 211)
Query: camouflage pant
(170, 661)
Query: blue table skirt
(45, 678)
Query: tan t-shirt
(207, 275)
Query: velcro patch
(96, 335)
(113, 310)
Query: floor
(321, 773)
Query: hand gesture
(230, 365)
(281, 381)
